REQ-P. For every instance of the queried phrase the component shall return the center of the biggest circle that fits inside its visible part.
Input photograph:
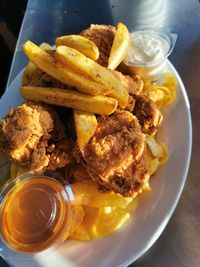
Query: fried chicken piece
(102, 36)
(115, 156)
(147, 113)
(134, 85)
(28, 133)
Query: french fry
(86, 193)
(69, 98)
(80, 43)
(28, 73)
(86, 66)
(119, 47)
(57, 70)
(46, 47)
(85, 124)
(31, 68)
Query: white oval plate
(154, 209)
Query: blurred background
(11, 15)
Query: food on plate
(79, 43)
(147, 113)
(57, 70)
(100, 222)
(70, 98)
(31, 69)
(33, 135)
(80, 63)
(148, 52)
(119, 47)
(92, 122)
(86, 124)
(86, 193)
(37, 214)
(102, 36)
(115, 156)
(163, 94)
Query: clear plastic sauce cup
(37, 214)
(148, 53)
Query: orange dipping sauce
(35, 214)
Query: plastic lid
(36, 213)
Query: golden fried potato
(119, 47)
(153, 164)
(100, 222)
(85, 66)
(31, 68)
(86, 193)
(80, 43)
(80, 234)
(159, 154)
(109, 219)
(85, 124)
(163, 94)
(57, 70)
(154, 146)
(71, 99)
(46, 47)
(80, 211)
(85, 231)
(165, 154)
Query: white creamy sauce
(146, 48)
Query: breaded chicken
(32, 135)
(102, 36)
(134, 84)
(148, 114)
(115, 156)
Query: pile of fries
(93, 89)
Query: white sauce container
(148, 52)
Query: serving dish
(152, 210)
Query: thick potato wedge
(31, 68)
(57, 70)
(86, 193)
(28, 73)
(80, 43)
(46, 47)
(80, 63)
(69, 98)
(85, 124)
(119, 47)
